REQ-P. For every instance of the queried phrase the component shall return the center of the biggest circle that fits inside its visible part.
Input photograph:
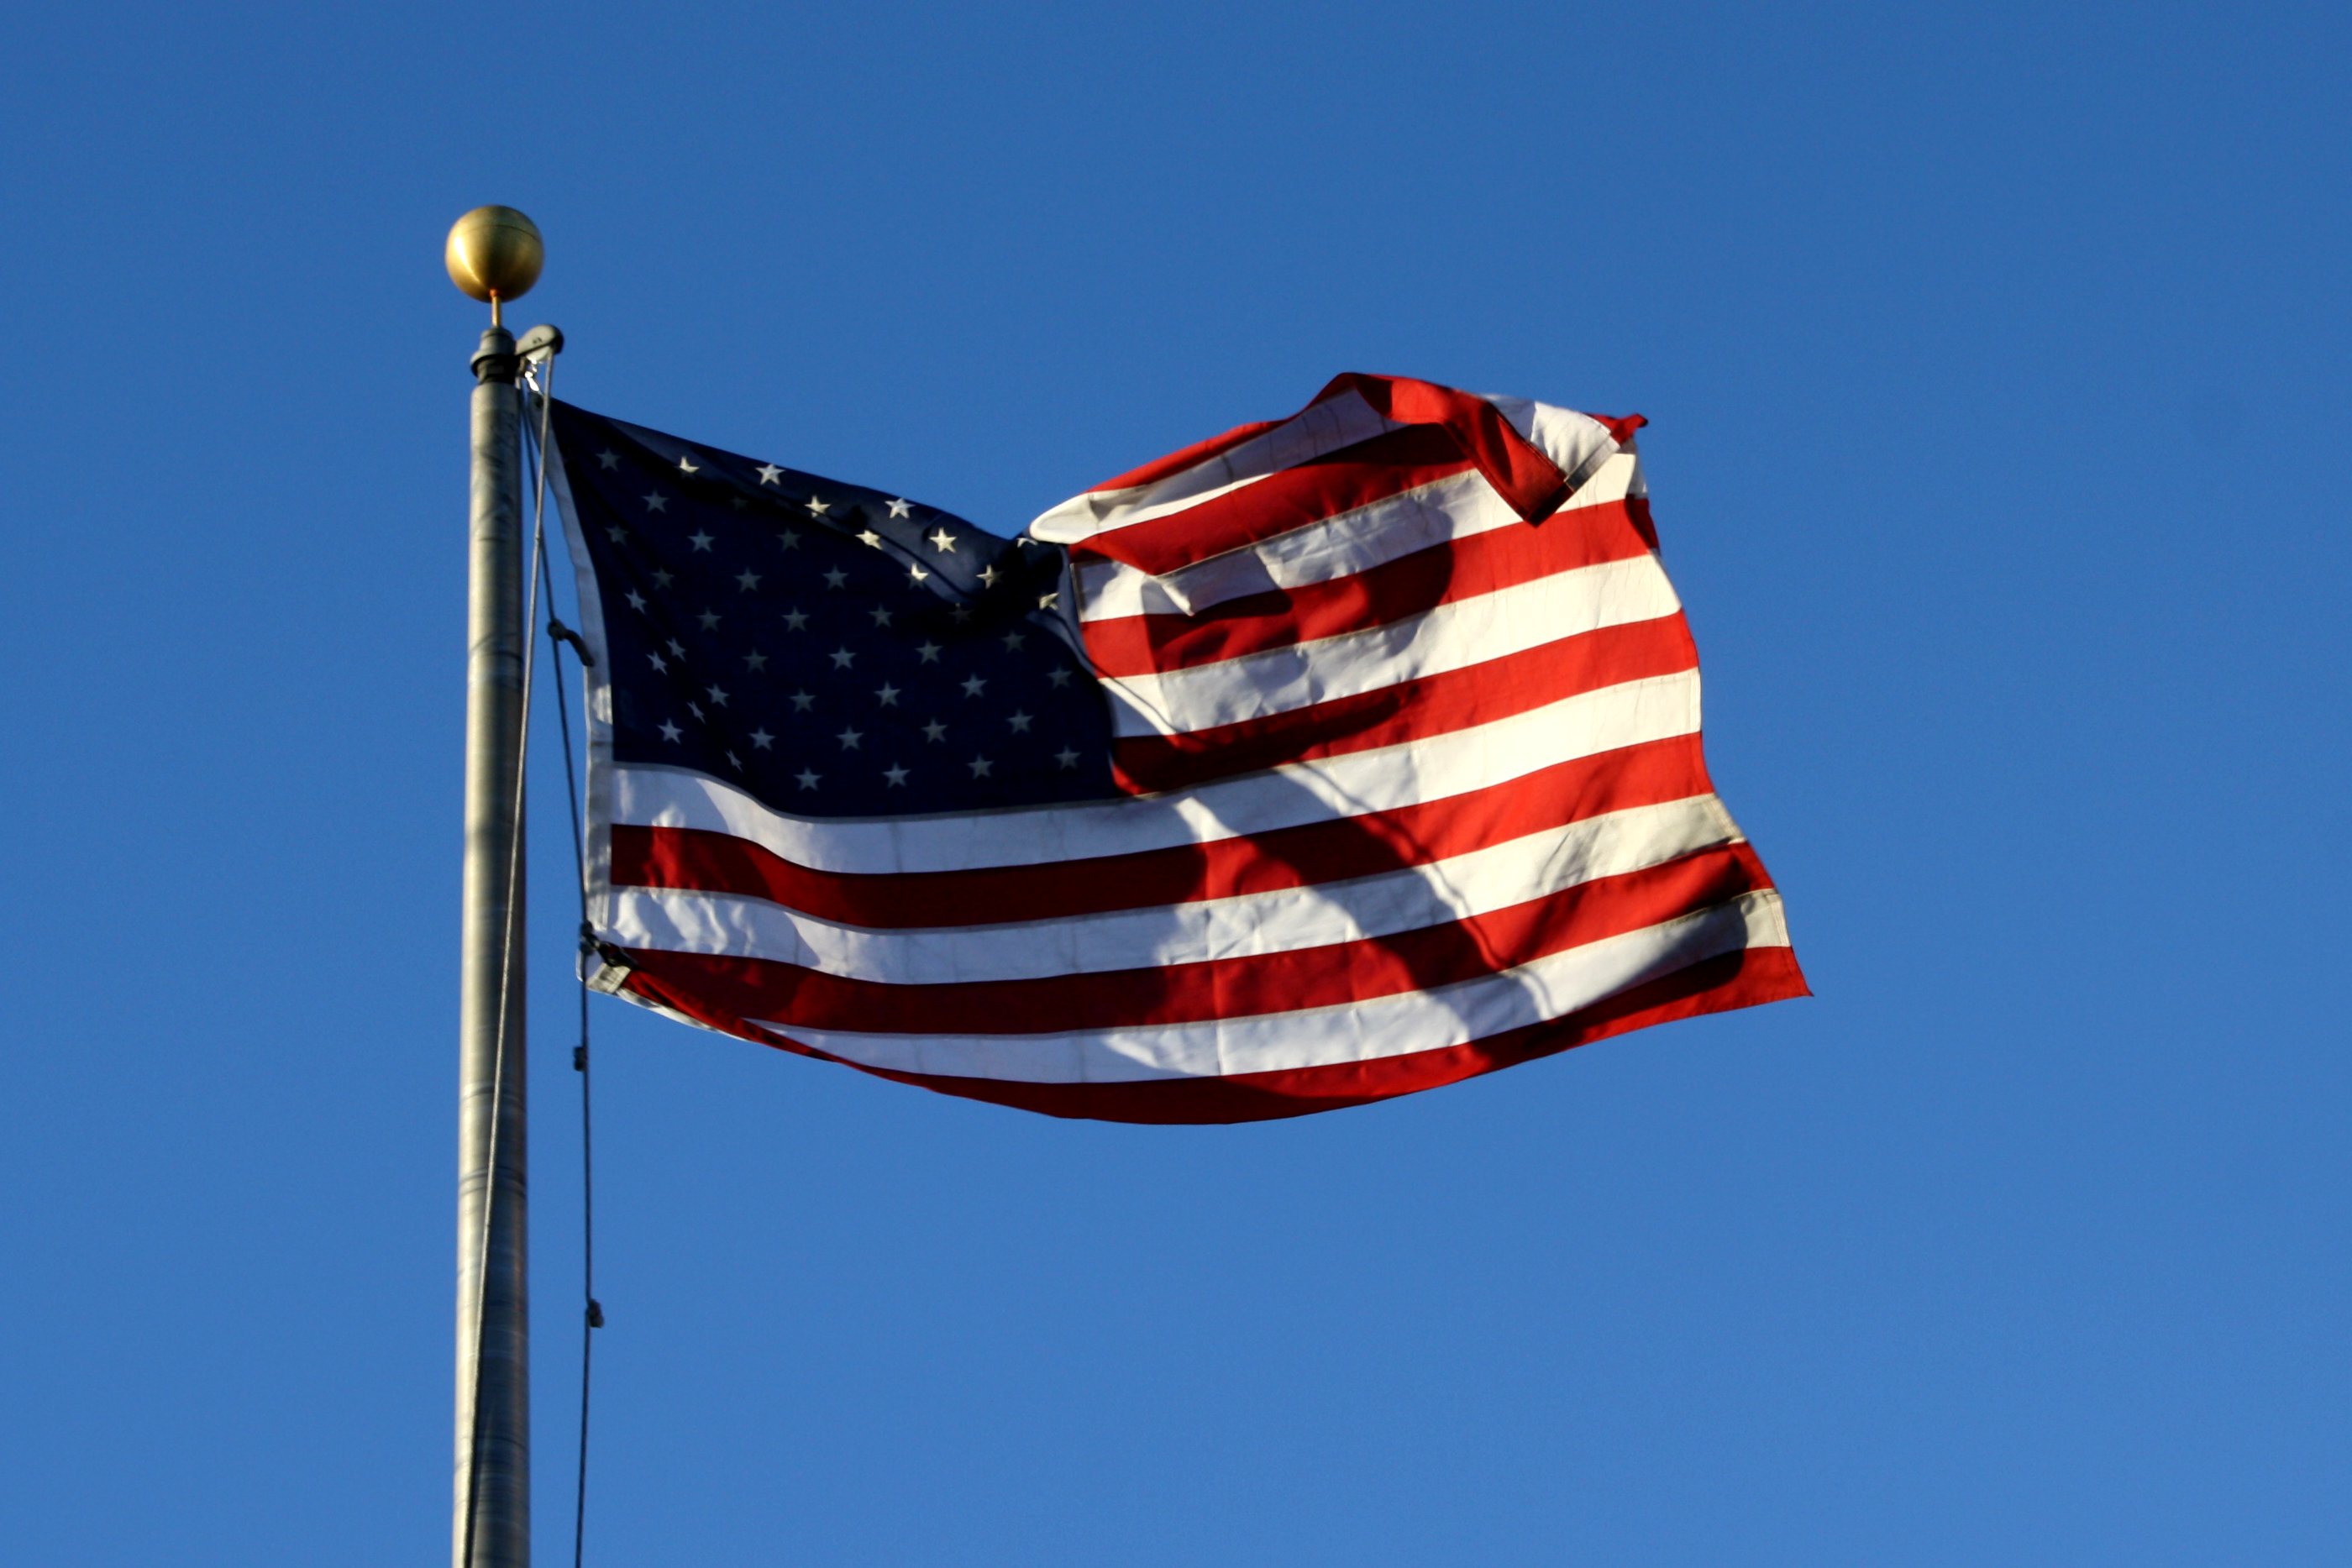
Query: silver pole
(493, 1479)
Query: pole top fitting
(493, 254)
(496, 360)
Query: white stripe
(1314, 433)
(1570, 439)
(1545, 988)
(1433, 769)
(1455, 507)
(1451, 636)
(1341, 545)
(1282, 920)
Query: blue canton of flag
(830, 649)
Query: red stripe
(1329, 976)
(1444, 573)
(1743, 980)
(1621, 430)
(1637, 511)
(1191, 456)
(1519, 471)
(695, 859)
(1288, 498)
(1409, 710)
(1413, 400)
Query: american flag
(1332, 759)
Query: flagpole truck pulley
(493, 254)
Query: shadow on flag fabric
(1332, 759)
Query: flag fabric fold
(1332, 759)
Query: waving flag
(1332, 759)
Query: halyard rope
(593, 1314)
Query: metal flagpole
(493, 255)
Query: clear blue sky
(1996, 367)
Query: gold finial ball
(494, 254)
